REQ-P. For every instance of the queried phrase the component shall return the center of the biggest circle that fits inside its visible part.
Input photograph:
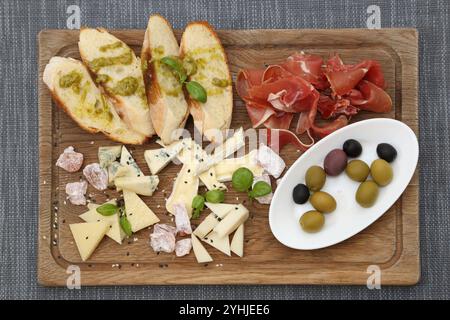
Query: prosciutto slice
(303, 84)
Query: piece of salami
(70, 160)
(96, 176)
(75, 192)
(183, 247)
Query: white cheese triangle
(138, 213)
(127, 159)
(230, 146)
(143, 185)
(226, 168)
(184, 189)
(200, 252)
(237, 243)
(87, 236)
(209, 179)
(220, 243)
(158, 159)
(213, 218)
(115, 232)
(232, 221)
(220, 209)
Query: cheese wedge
(200, 43)
(87, 236)
(107, 155)
(232, 221)
(211, 221)
(237, 243)
(143, 185)
(138, 213)
(200, 252)
(127, 159)
(209, 179)
(225, 168)
(113, 169)
(115, 232)
(184, 189)
(168, 107)
(119, 72)
(221, 209)
(220, 243)
(158, 159)
(75, 92)
(230, 146)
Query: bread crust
(155, 96)
(195, 107)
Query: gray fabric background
(22, 20)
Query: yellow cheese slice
(184, 189)
(138, 214)
(232, 221)
(237, 243)
(87, 236)
(219, 212)
(220, 243)
(200, 252)
(115, 232)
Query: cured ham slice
(303, 84)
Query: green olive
(315, 178)
(357, 170)
(367, 194)
(323, 202)
(312, 221)
(381, 172)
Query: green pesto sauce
(169, 84)
(98, 110)
(97, 64)
(158, 52)
(102, 78)
(71, 80)
(223, 83)
(111, 46)
(126, 87)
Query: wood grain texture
(392, 242)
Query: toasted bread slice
(168, 107)
(200, 43)
(115, 66)
(84, 102)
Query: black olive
(300, 194)
(352, 148)
(386, 152)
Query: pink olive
(335, 162)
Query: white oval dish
(349, 218)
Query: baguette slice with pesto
(117, 69)
(201, 44)
(76, 93)
(168, 107)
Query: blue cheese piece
(184, 189)
(112, 171)
(143, 185)
(225, 168)
(108, 155)
(127, 160)
(158, 159)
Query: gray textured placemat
(20, 23)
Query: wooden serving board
(392, 242)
